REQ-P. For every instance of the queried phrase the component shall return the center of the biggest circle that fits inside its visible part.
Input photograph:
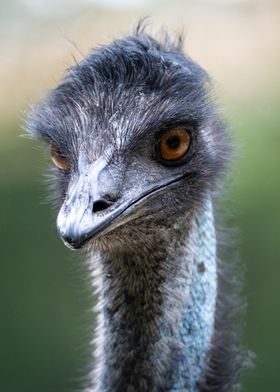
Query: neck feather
(156, 310)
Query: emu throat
(156, 309)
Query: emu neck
(157, 309)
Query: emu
(138, 147)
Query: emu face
(135, 139)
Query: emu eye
(174, 144)
(58, 159)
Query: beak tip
(71, 238)
(72, 242)
(71, 245)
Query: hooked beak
(86, 214)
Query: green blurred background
(45, 296)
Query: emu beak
(84, 212)
(80, 218)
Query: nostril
(100, 205)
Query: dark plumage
(146, 221)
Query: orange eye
(174, 144)
(58, 159)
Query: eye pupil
(173, 142)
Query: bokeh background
(45, 296)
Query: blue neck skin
(156, 311)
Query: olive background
(45, 293)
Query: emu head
(135, 140)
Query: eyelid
(161, 130)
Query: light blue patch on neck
(197, 323)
